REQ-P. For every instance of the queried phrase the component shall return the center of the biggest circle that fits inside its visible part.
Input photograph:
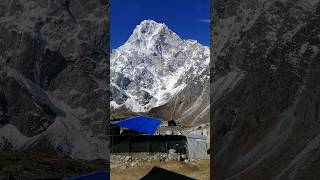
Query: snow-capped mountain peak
(146, 30)
(148, 33)
(154, 65)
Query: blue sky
(188, 18)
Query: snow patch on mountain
(10, 135)
(66, 134)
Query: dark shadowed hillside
(53, 78)
(265, 89)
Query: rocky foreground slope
(158, 73)
(265, 89)
(53, 77)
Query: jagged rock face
(154, 67)
(53, 77)
(265, 89)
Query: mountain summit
(154, 66)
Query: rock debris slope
(53, 77)
(265, 89)
(156, 71)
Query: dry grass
(199, 169)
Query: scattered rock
(172, 151)
(127, 158)
(183, 156)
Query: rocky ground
(145, 161)
(199, 169)
(134, 159)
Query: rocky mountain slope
(265, 89)
(53, 77)
(156, 71)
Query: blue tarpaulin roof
(98, 175)
(142, 124)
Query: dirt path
(196, 169)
